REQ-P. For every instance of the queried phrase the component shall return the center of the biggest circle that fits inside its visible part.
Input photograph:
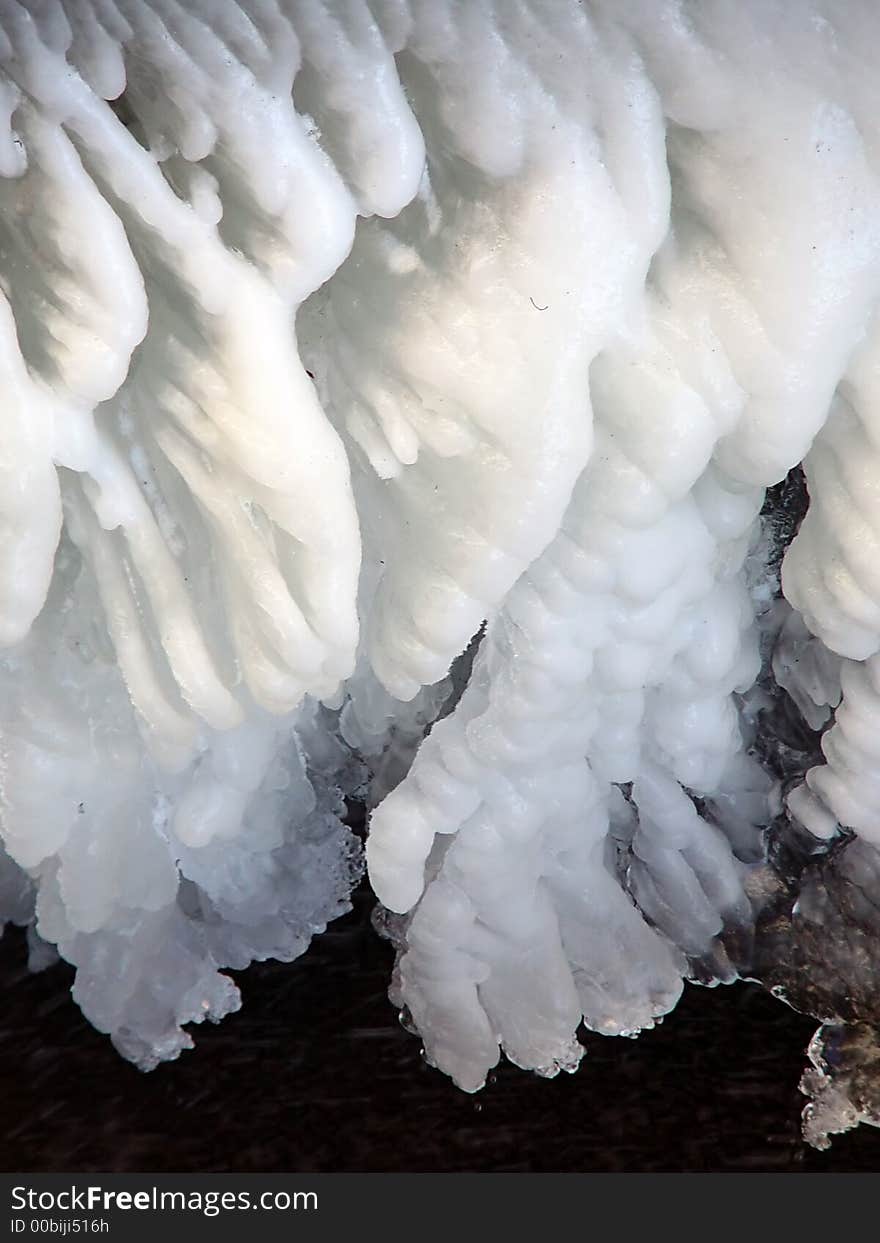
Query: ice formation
(392, 391)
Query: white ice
(335, 332)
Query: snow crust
(335, 334)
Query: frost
(392, 394)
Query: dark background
(315, 1073)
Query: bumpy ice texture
(335, 334)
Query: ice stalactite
(392, 391)
(163, 781)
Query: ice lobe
(579, 830)
(167, 777)
(392, 389)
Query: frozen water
(392, 389)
